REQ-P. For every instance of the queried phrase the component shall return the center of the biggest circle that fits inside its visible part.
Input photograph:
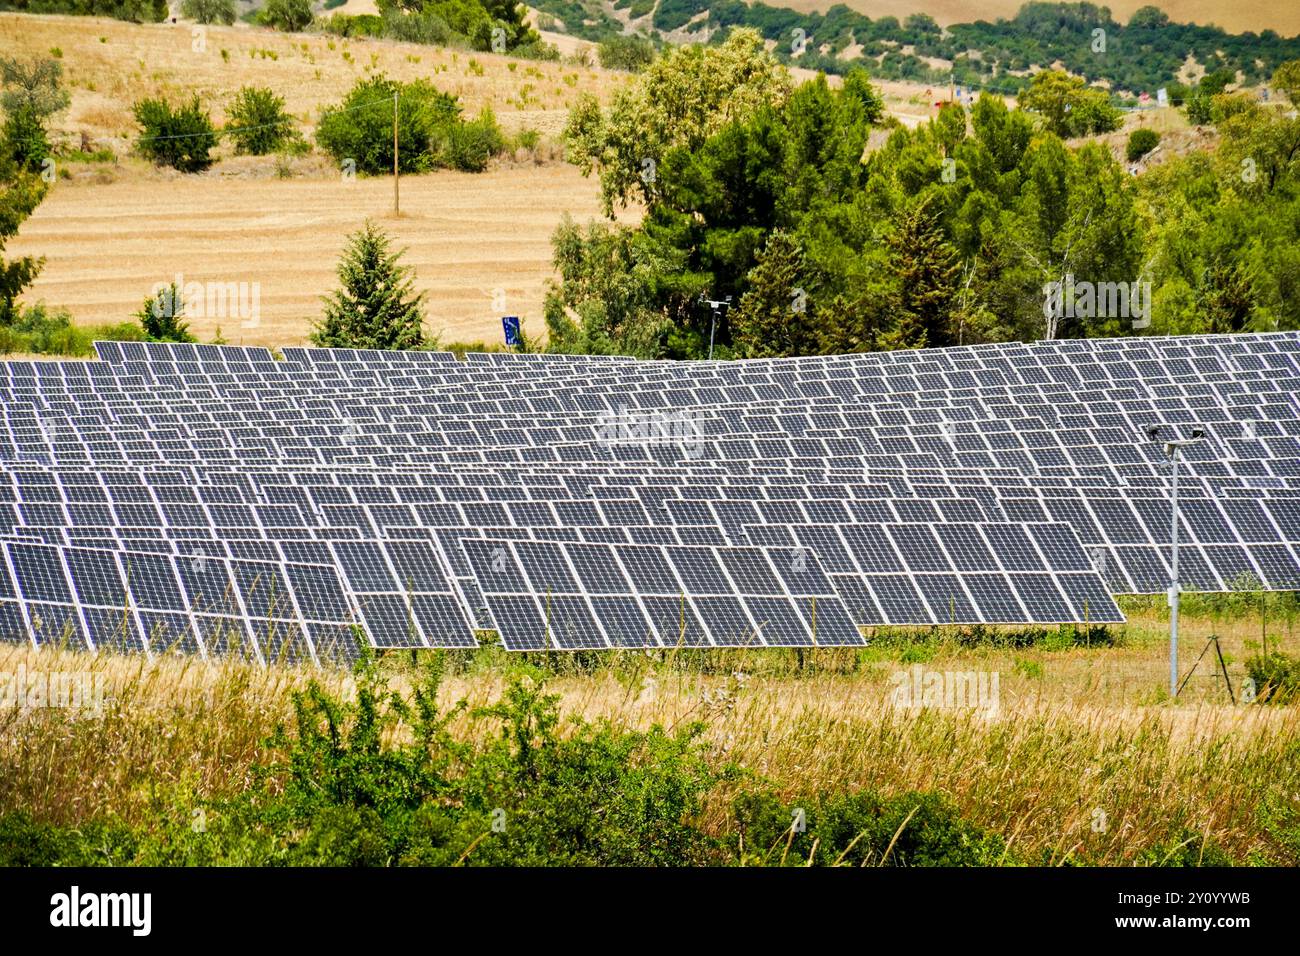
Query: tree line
(1142, 55)
(830, 230)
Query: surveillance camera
(1198, 432)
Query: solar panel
(1006, 483)
(652, 596)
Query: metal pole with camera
(1172, 448)
(717, 307)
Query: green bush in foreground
(39, 331)
(1276, 677)
(161, 316)
(383, 780)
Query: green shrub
(914, 829)
(31, 91)
(1188, 849)
(536, 50)
(25, 140)
(361, 127)
(258, 122)
(361, 25)
(161, 316)
(25, 842)
(210, 11)
(1276, 677)
(182, 138)
(288, 15)
(626, 53)
(37, 330)
(469, 146)
(425, 26)
(1141, 142)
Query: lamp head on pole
(1173, 446)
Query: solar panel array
(219, 500)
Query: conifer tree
(376, 306)
(927, 272)
(775, 316)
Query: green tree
(1226, 297)
(210, 11)
(617, 292)
(32, 93)
(258, 122)
(1286, 80)
(20, 193)
(926, 271)
(360, 129)
(633, 54)
(161, 316)
(182, 137)
(679, 101)
(288, 15)
(1068, 106)
(376, 306)
(776, 316)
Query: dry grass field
(110, 231)
(466, 234)
(1078, 730)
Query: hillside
(109, 231)
(1240, 16)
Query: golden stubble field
(467, 236)
(479, 244)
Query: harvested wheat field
(468, 235)
(109, 231)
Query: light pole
(1172, 448)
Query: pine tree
(925, 267)
(160, 316)
(775, 316)
(376, 308)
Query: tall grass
(1084, 761)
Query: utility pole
(397, 197)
